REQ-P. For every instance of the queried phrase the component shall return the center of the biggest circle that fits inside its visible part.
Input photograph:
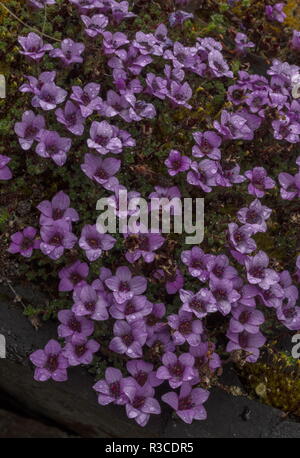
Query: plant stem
(29, 26)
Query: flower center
(138, 402)
(185, 327)
(74, 325)
(185, 403)
(141, 378)
(176, 370)
(52, 363)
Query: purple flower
(227, 177)
(139, 110)
(196, 261)
(113, 41)
(141, 404)
(297, 274)
(5, 172)
(255, 215)
(273, 296)
(245, 319)
(205, 358)
(95, 24)
(144, 247)
(49, 96)
(111, 389)
(124, 286)
(250, 343)
(200, 303)
(101, 170)
(242, 43)
(34, 85)
(224, 294)
(275, 13)
(80, 350)
(29, 129)
(51, 145)
(24, 242)
(94, 243)
(289, 315)
(56, 238)
(33, 46)
(179, 17)
(87, 98)
(177, 370)
(258, 272)
(147, 43)
(88, 302)
(71, 117)
(73, 275)
(290, 185)
(156, 86)
(179, 94)
(188, 405)
(177, 163)
(50, 363)
(120, 11)
(130, 60)
(217, 65)
(207, 145)
(69, 52)
(239, 125)
(132, 309)
(143, 373)
(240, 238)
(175, 283)
(185, 328)
(104, 138)
(129, 338)
(219, 268)
(160, 342)
(296, 40)
(72, 325)
(203, 174)
(259, 181)
(286, 129)
(181, 56)
(57, 210)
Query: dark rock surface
(72, 405)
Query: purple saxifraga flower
(185, 328)
(239, 125)
(104, 138)
(245, 319)
(72, 325)
(24, 242)
(143, 373)
(141, 404)
(5, 172)
(94, 243)
(203, 174)
(200, 303)
(87, 98)
(131, 60)
(35, 85)
(57, 209)
(71, 117)
(131, 310)
(196, 261)
(225, 295)
(177, 370)
(143, 246)
(179, 94)
(94, 25)
(56, 238)
(227, 177)
(286, 129)
(219, 268)
(89, 302)
(205, 358)
(51, 145)
(129, 338)
(258, 272)
(119, 11)
(113, 41)
(179, 17)
(156, 86)
(160, 342)
(49, 96)
(101, 170)
(176, 162)
(255, 215)
(259, 181)
(290, 185)
(80, 350)
(275, 13)
(207, 144)
(250, 343)
(289, 316)
(297, 273)
(175, 282)
(188, 404)
(242, 43)
(33, 46)
(112, 388)
(296, 40)
(240, 238)
(217, 65)
(124, 286)
(29, 129)
(153, 320)
(69, 52)
(50, 363)
(73, 275)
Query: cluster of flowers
(121, 296)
